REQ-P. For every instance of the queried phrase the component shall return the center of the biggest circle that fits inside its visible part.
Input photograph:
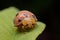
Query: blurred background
(46, 11)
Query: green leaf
(8, 31)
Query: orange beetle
(25, 19)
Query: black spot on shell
(19, 20)
(33, 16)
(25, 15)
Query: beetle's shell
(25, 19)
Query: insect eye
(25, 15)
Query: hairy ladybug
(25, 19)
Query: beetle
(25, 19)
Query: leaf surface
(8, 31)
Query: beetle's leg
(18, 29)
(23, 27)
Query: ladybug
(25, 20)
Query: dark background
(46, 11)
